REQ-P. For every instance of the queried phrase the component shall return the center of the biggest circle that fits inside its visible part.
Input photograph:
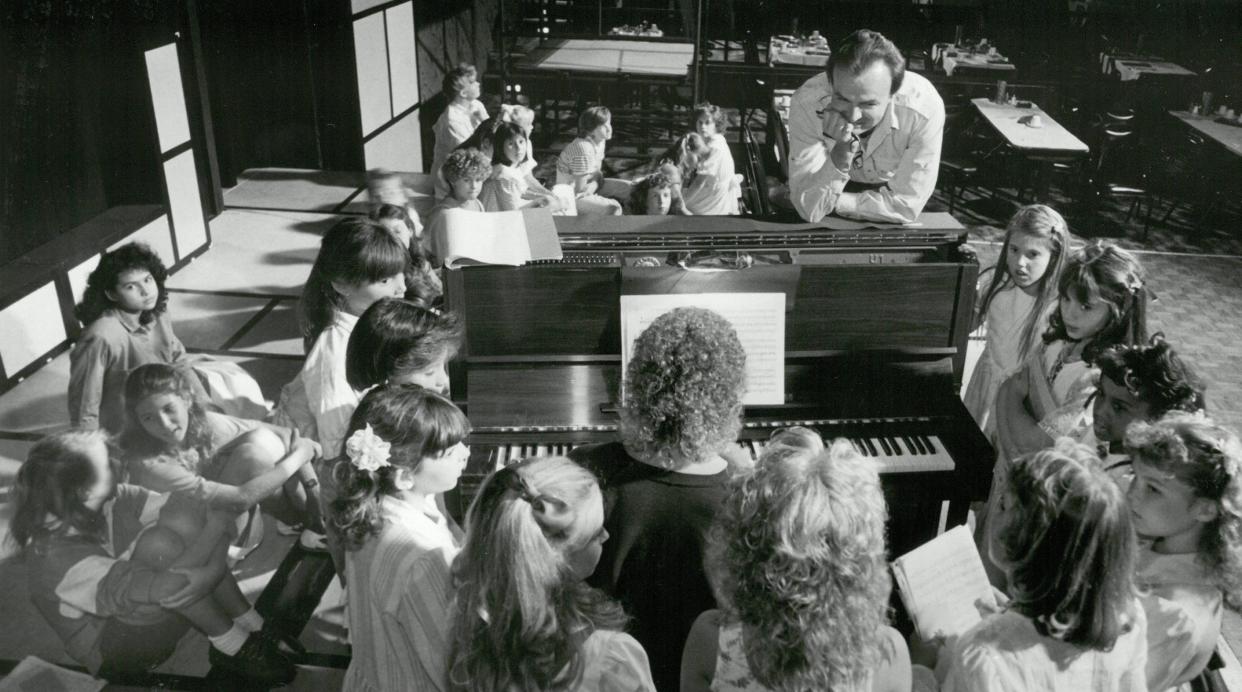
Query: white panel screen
(185, 203)
(399, 148)
(402, 56)
(30, 328)
(371, 56)
(157, 235)
(164, 73)
(363, 5)
(78, 276)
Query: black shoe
(286, 644)
(257, 660)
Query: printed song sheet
(940, 582)
(462, 237)
(759, 319)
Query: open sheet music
(940, 582)
(758, 318)
(461, 237)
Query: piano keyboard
(891, 453)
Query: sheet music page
(940, 581)
(462, 237)
(758, 318)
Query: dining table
(1033, 134)
(1227, 134)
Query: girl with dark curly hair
(124, 312)
(1138, 383)
(665, 479)
(405, 445)
(1186, 500)
(798, 559)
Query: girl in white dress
(1015, 303)
(708, 188)
(710, 123)
(524, 619)
(1063, 534)
(405, 445)
(1186, 497)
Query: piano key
(541, 450)
(888, 451)
(871, 446)
(502, 456)
(918, 441)
(896, 445)
(909, 444)
(930, 446)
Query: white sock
(250, 620)
(230, 642)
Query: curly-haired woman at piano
(665, 479)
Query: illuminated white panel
(157, 235)
(371, 58)
(364, 5)
(30, 328)
(402, 56)
(185, 203)
(78, 276)
(399, 148)
(164, 74)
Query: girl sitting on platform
(111, 565)
(397, 342)
(1015, 303)
(124, 312)
(386, 187)
(707, 190)
(580, 164)
(171, 443)
(406, 445)
(524, 619)
(422, 281)
(359, 263)
(1187, 503)
(1062, 533)
(710, 123)
(797, 557)
(509, 186)
(656, 195)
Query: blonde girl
(1186, 499)
(406, 445)
(524, 619)
(1016, 302)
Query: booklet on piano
(941, 581)
(461, 237)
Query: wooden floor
(237, 302)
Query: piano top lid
(930, 224)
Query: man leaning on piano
(864, 136)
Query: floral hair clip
(366, 450)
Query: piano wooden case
(876, 327)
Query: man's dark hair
(862, 48)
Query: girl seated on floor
(707, 188)
(406, 445)
(359, 263)
(124, 314)
(580, 164)
(1186, 499)
(422, 281)
(387, 187)
(797, 558)
(710, 123)
(524, 118)
(171, 443)
(397, 342)
(656, 195)
(523, 617)
(509, 186)
(111, 566)
(1062, 533)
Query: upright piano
(876, 327)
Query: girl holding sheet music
(1062, 533)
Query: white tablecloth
(1052, 137)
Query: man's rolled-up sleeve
(903, 199)
(815, 183)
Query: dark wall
(76, 127)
